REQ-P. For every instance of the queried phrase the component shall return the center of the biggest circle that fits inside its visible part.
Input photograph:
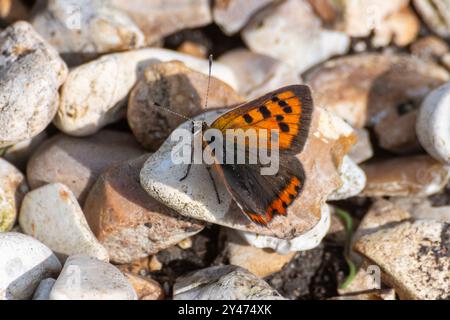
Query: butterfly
(287, 110)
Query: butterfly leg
(208, 168)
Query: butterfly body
(286, 113)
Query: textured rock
(24, 262)
(129, 222)
(405, 176)
(43, 290)
(353, 180)
(178, 89)
(279, 32)
(158, 19)
(96, 93)
(30, 74)
(433, 124)
(19, 153)
(413, 257)
(421, 208)
(194, 197)
(362, 150)
(146, 289)
(86, 278)
(12, 190)
(52, 215)
(232, 15)
(436, 14)
(77, 163)
(430, 48)
(258, 74)
(223, 283)
(81, 30)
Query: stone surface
(223, 283)
(362, 150)
(96, 93)
(146, 289)
(158, 19)
(421, 208)
(388, 294)
(279, 32)
(405, 176)
(260, 262)
(30, 74)
(194, 197)
(52, 215)
(12, 190)
(169, 94)
(13, 10)
(24, 262)
(43, 290)
(86, 278)
(430, 48)
(81, 30)
(433, 121)
(436, 14)
(353, 180)
(379, 90)
(129, 222)
(258, 74)
(413, 257)
(77, 163)
(19, 153)
(232, 15)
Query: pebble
(52, 215)
(12, 10)
(330, 136)
(433, 124)
(82, 30)
(176, 88)
(430, 48)
(19, 153)
(24, 263)
(167, 17)
(279, 32)
(43, 290)
(77, 163)
(422, 208)
(258, 74)
(12, 190)
(306, 241)
(232, 15)
(413, 256)
(32, 72)
(127, 221)
(362, 150)
(146, 288)
(260, 262)
(86, 278)
(95, 94)
(435, 13)
(353, 180)
(405, 176)
(223, 283)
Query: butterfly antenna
(209, 80)
(156, 104)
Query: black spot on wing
(248, 118)
(283, 127)
(265, 112)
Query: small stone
(158, 19)
(180, 90)
(19, 153)
(430, 48)
(387, 294)
(52, 215)
(405, 176)
(194, 197)
(279, 32)
(232, 15)
(155, 264)
(31, 73)
(436, 15)
(257, 73)
(95, 94)
(185, 244)
(127, 221)
(307, 241)
(367, 278)
(223, 283)
(43, 290)
(24, 263)
(260, 262)
(422, 208)
(193, 49)
(413, 256)
(146, 288)
(86, 278)
(82, 30)
(353, 180)
(13, 10)
(12, 190)
(432, 124)
(362, 150)
(77, 163)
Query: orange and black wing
(289, 112)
